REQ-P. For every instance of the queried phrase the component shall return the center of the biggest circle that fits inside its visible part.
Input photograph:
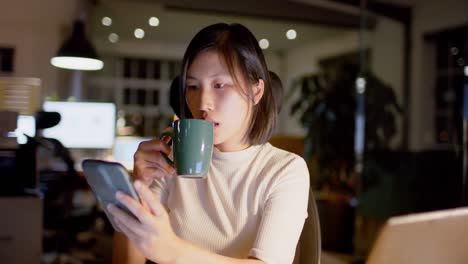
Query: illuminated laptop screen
(83, 125)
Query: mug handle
(167, 134)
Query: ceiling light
(153, 21)
(113, 37)
(139, 33)
(264, 43)
(466, 71)
(291, 34)
(106, 21)
(77, 52)
(77, 63)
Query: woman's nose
(206, 100)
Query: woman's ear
(258, 90)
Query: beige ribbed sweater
(252, 203)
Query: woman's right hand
(149, 162)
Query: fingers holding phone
(105, 179)
(150, 231)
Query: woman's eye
(192, 87)
(219, 85)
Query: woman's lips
(215, 124)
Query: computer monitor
(24, 125)
(83, 125)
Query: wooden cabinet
(20, 230)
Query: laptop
(433, 237)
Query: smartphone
(106, 178)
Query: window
(450, 60)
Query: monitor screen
(125, 148)
(25, 125)
(83, 125)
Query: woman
(252, 205)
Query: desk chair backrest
(309, 248)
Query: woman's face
(213, 95)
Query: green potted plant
(326, 107)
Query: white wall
(387, 53)
(304, 60)
(387, 42)
(36, 29)
(274, 62)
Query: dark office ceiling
(180, 19)
(313, 12)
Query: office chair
(57, 188)
(309, 248)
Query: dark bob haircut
(239, 48)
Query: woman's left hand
(151, 233)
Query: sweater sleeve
(160, 187)
(283, 215)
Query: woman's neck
(232, 148)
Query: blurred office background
(374, 93)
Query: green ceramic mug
(192, 141)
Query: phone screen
(105, 179)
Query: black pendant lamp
(77, 53)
